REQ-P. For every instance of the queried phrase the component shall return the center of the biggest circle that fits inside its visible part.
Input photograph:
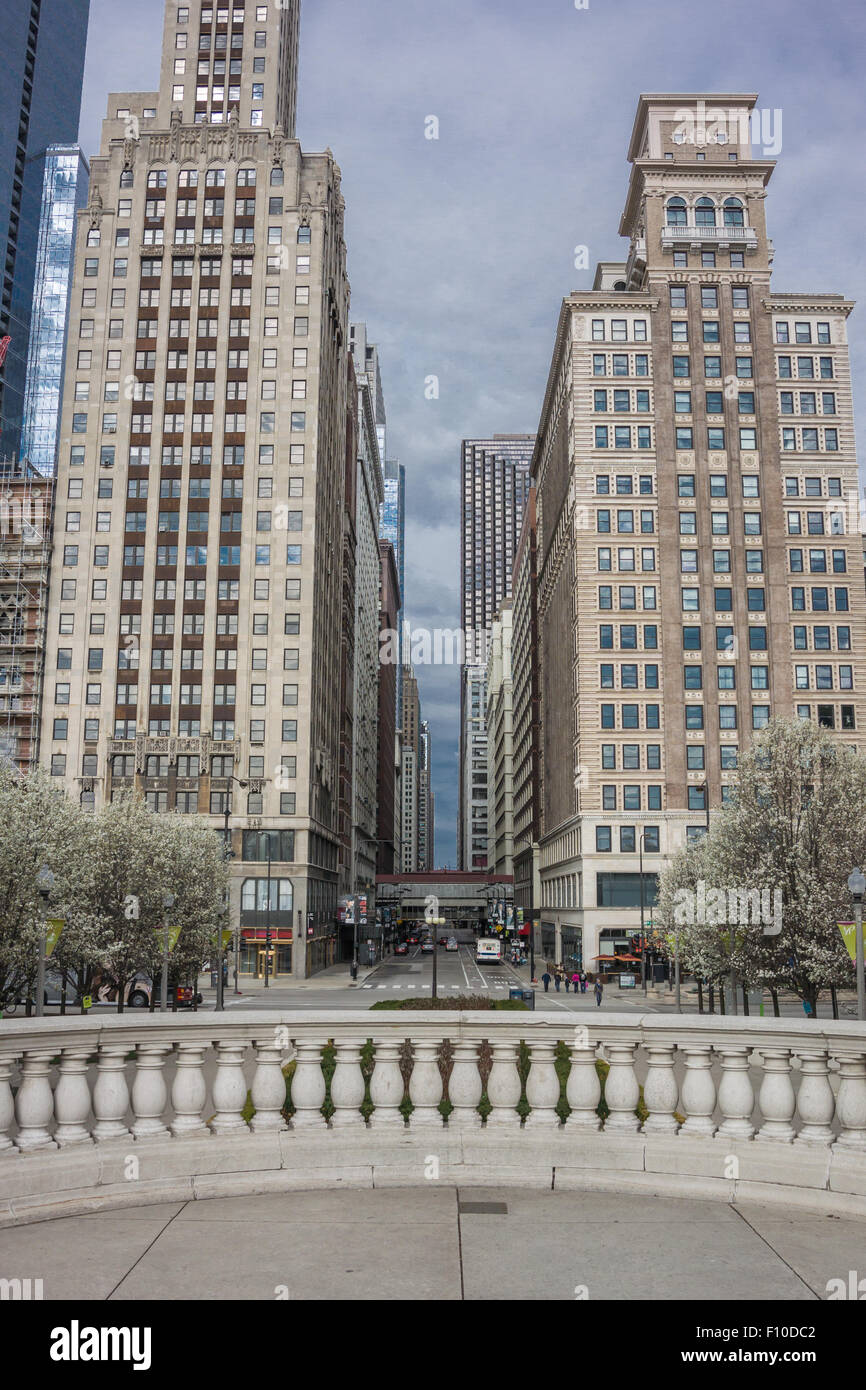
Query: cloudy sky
(461, 248)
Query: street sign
(87, 1002)
(173, 934)
(53, 927)
(849, 936)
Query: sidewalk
(335, 977)
(438, 1242)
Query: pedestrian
(599, 991)
(583, 983)
(567, 982)
(575, 980)
(557, 978)
(545, 980)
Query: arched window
(733, 212)
(676, 212)
(705, 212)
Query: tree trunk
(700, 996)
(745, 1002)
(834, 1000)
(722, 999)
(774, 995)
(712, 998)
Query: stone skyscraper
(195, 620)
(699, 556)
(494, 482)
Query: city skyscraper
(410, 766)
(494, 484)
(41, 72)
(64, 192)
(699, 556)
(194, 634)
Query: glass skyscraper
(64, 191)
(41, 71)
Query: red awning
(259, 934)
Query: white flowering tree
(41, 829)
(141, 872)
(795, 827)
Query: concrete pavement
(437, 1243)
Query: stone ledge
(37, 1187)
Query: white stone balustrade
(788, 1101)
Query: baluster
(776, 1097)
(815, 1102)
(111, 1095)
(189, 1092)
(425, 1086)
(851, 1101)
(149, 1093)
(736, 1097)
(72, 1099)
(660, 1090)
(503, 1087)
(229, 1090)
(34, 1105)
(698, 1094)
(308, 1086)
(347, 1086)
(464, 1087)
(583, 1089)
(621, 1089)
(7, 1104)
(542, 1087)
(268, 1091)
(387, 1088)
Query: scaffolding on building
(25, 549)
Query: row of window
(709, 296)
(197, 455)
(166, 589)
(630, 757)
(222, 729)
(194, 555)
(628, 838)
(711, 331)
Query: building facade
(526, 719)
(388, 808)
(697, 572)
(42, 67)
(64, 192)
(194, 634)
(368, 493)
(410, 767)
(494, 482)
(500, 745)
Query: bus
(488, 950)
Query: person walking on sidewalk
(575, 980)
(599, 991)
(567, 981)
(545, 980)
(557, 974)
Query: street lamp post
(45, 881)
(857, 887)
(268, 919)
(167, 905)
(229, 854)
(643, 950)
